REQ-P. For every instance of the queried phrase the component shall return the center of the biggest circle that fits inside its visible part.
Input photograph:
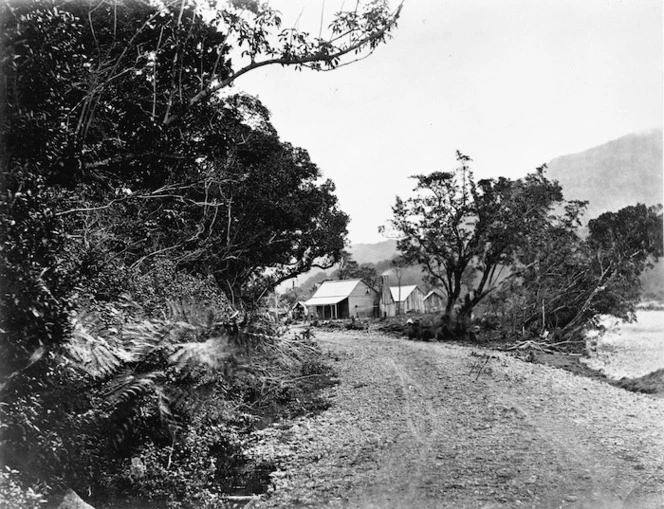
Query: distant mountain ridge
(622, 172)
(374, 253)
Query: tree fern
(153, 368)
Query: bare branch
(90, 209)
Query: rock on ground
(71, 500)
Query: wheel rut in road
(411, 427)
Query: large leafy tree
(100, 89)
(115, 148)
(622, 245)
(549, 264)
(465, 233)
(350, 269)
(268, 215)
(251, 212)
(565, 280)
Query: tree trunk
(464, 317)
(445, 329)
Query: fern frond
(129, 386)
(158, 367)
(94, 354)
(213, 353)
(123, 429)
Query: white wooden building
(343, 299)
(435, 301)
(402, 299)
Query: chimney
(385, 295)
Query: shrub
(157, 411)
(34, 276)
(15, 495)
(193, 471)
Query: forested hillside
(374, 253)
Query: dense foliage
(515, 247)
(566, 280)
(465, 233)
(105, 100)
(128, 183)
(350, 269)
(154, 412)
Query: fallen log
(531, 345)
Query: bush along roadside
(154, 412)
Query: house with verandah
(343, 299)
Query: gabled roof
(299, 303)
(405, 292)
(435, 291)
(331, 292)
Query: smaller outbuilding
(299, 311)
(407, 299)
(343, 299)
(434, 301)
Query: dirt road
(411, 426)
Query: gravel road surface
(418, 425)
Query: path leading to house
(411, 426)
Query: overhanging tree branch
(319, 56)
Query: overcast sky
(512, 84)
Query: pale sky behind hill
(512, 84)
